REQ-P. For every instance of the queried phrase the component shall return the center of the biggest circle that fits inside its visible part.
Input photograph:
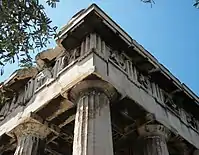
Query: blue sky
(169, 30)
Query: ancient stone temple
(97, 93)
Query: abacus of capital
(101, 94)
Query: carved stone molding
(88, 86)
(154, 130)
(30, 145)
(30, 138)
(31, 128)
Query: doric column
(92, 133)
(153, 139)
(30, 138)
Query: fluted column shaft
(30, 145)
(30, 138)
(154, 145)
(92, 133)
(153, 140)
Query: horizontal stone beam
(115, 75)
(67, 78)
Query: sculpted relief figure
(119, 59)
(144, 81)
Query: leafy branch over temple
(24, 28)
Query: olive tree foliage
(196, 4)
(148, 1)
(24, 28)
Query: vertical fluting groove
(80, 125)
(85, 127)
(20, 141)
(95, 125)
(25, 145)
(29, 145)
(18, 148)
(34, 146)
(77, 121)
(97, 107)
(22, 145)
(154, 145)
(92, 124)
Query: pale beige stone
(47, 55)
(30, 138)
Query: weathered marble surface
(153, 140)
(30, 145)
(92, 133)
(44, 57)
(94, 56)
(30, 138)
(150, 100)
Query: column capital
(88, 86)
(31, 128)
(154, 130)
